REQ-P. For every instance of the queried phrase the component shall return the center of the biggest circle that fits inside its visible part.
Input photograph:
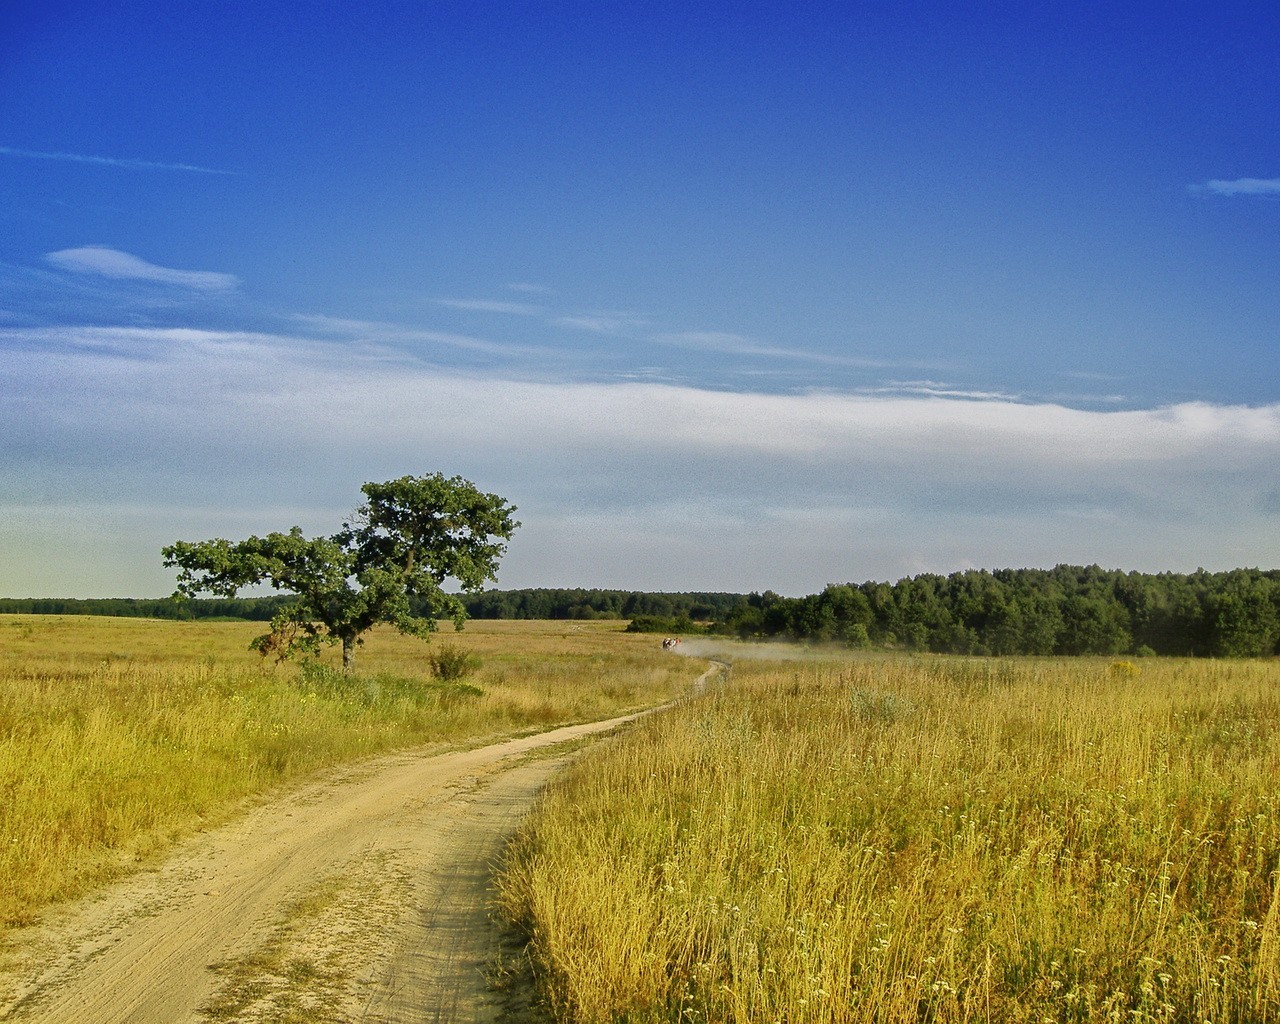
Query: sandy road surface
(360, 897)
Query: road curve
(363, 896)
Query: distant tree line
(600, 604)
(255, 609)
(490, 604)
(1066, 610)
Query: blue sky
(721, 296)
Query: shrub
(452, 663)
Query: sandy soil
(360, 897)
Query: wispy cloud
(110, 161)
(1091, 375)
(383, 333)
(493, 306)
(112, 263)
(1245, 187)
(938, 389)
(729, 343)
(597, 324)
(601, 323)
(711, 341)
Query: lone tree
(390, 561)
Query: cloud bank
(142, 436)
(106, 262)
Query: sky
(721, 296)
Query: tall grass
(921, 840)
(119, 736)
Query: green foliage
(451, 663)
(317, 677)
(259, 609)
(579, 603)
(388, 564)
(383, 688)
(1244, 617)
(1066, 610)
(535, 603)
(663, 624)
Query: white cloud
(937, 389)
(109, 161)
(596, 324)
(381, 390)
(738, 345)
(634, 484)
(105, 262)
(490, 306)
(1245, 187)
(711, 341)
(381, 332)
(601, 323)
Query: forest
(1065, 610)
(538, 603)
(254, 609)
(600, 604)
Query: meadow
(834, 838)
(120, 736)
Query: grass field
(118, 736)
(831, 839)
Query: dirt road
(361, 897)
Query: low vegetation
(118, 736)
(845, 839)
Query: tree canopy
(1065, 610)
(389, 563)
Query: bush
(321, 678)
(451, 663)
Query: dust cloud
(726, 650)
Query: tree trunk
(348, 653)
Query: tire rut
(358, 898)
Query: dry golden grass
(921, 839)
(118, 736)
